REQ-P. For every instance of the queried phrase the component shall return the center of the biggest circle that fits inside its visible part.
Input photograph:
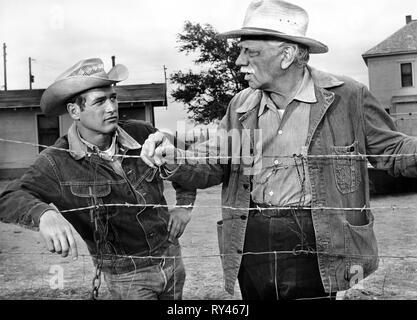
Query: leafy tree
(207, 94)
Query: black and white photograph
(223, 150)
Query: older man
(85, 179)
(296, 220)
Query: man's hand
(157, 150)
(178, 220)
(56, 232)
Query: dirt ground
(28, 271)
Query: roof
(404, 41)
(138, 95)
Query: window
(406, 75)
(48, 130)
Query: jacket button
(243, 217)
(246, 186)
(151, 235)
(239, 251)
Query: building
(392, 68)
(21, 119)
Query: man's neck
(102, 141)
(287, 87)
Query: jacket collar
(323, 79)
(79, 149)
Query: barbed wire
(324, 156)
(374, 291)
(336, 210)
(227, 207)
(341, 296)
(217, 255)
(154, 206)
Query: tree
(207, 94)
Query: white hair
(302, 55)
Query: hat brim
(54, 98)
(313, 45)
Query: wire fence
(40, 291)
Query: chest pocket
(347, 168)
(87, 191)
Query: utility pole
(5, 70)
(166, 86)
(31, 77)
(165, 74)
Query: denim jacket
(72, 180)
(346, 120)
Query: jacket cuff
(36, 213)
(184, 197)
(168, 170)
(186, 200)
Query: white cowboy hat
(86, 74)
(277, 19)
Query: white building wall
(19, 125)
(385, 77)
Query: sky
(142, 35)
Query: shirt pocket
(346, 168)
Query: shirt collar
(306, 93)
(266, 102)
(320, 79)
(80, 147)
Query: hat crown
(86, 68)
(279, 16)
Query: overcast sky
(142, 35)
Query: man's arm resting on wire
(25, 202)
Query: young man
(296, 218)
(135, 246)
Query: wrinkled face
(100, 113)
(261, 62)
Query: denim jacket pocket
(86, 190)
(346, 169)
(361, 250)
